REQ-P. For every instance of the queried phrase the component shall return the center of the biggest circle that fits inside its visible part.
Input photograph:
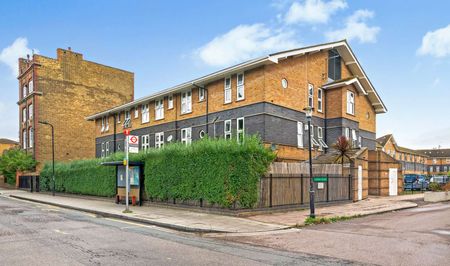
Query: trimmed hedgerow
(85, 177)
(221, 172)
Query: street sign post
(320, 179)
(133, 144)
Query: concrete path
(372, 205)
(182, 220)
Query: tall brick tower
(63, 91)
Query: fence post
(328, 187)
(31, 183)
(349, 186)
(301, 189)
(270, 191)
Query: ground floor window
(103, 150)
(159, 140)
(227, 129)
(240, 130)
(300, 134)
(145, 140)
(186, 135)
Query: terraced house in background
(438, 161)
(63, 91)
(264, 96)
(413, 161)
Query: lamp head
(308, 111)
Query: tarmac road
(417, 236)
(36, 234)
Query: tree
(14, 160)
(343, 146)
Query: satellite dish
(169, 138)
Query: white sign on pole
(133, 149)
(133, 140)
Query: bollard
(117, 199)
(133, 200)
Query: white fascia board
(358, 85)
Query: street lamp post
(308, 111)
(53, 153)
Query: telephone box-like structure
(136, 183)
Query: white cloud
(244, 42)
(11, 54)
(8, 123)
(356, 28)
(313, 11)
(436, 43)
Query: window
(319, 99)
(24, 91)
(334, 65)
(170, 102)
(136, 112)
(434, 161)
(159, 140)
(31, 134)
(24, 114)
(145, 140)
(186, 135)
(445, 168)
(127, 119)
(320, 138)
(145, 114)
(186, 102)
(30, 86)
(201, 134)
(240, 87)
(107, 148)
(240, 129)
(350, 103)
(359, 141)
(227, 129)
(227, 93)
(201, 94)
(24, 139)
(159, 109)
(438, 169)
(103, 150)
(431, 168)
(300, 134)
(118, 118)
(103, 125)
(30, 111)
(347, 133)
(313, 140)
(354, 138)
(310, 95)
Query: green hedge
(86, 177)
(219, 171)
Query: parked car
(440, 179)
(415, 182)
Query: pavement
(372, 205)
(201, 222)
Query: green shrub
(14, 160)
(219, 171)
(434, 186)
(85, 177)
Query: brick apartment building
(264, 96)
(413, 161)
(438, 161)
(63, 91)
(6, 144)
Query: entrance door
(393, 181)
(360, 181)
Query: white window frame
(201, 94)
(145, 142)
(24, 114)
(240, 87)
(320, 138)
(107, 149)
(30, 111)
(159, 140)
(118, 118)
(319, 100)
(159, 109)
(24, 91)
(136, 112)
(227, 126)
(102, 154)
(240, 132)
(347, 133)
(102, 129)
(310, 95)
(313, 140)
(30, 87)
(186, 102)
(24, 139)
(300, 135)
(31, 137)
(145, 113)
(227, 90)
(360, 142)
(186, 135)
(170, 102)
(127, 119)
(354, 138)
(350, 103)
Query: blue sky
(404, 47)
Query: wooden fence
(288, 184)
